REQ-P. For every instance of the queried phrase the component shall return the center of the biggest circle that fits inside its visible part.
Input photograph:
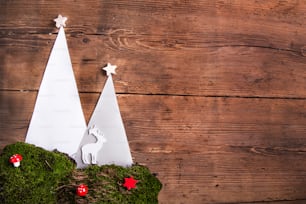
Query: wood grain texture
(212, 93)
(163, 47)
(204, 149)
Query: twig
(48, 165)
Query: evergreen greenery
(51, 177)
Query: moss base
(51, 177)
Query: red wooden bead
(82, 190)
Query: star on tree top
(60, 21)
(110, 69)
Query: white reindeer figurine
(92, 149)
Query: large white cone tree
(58, 121)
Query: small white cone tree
(111, 147)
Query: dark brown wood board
(212, 93)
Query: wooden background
(212, 92)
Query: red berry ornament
(82, 190)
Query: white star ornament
(60, 21)
(110, 69)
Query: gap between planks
(175, 95)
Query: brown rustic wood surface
(212, 92)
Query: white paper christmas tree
(58, 121)
(105, 141)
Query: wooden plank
(162, 47)
(204, 149)
(277, 202)
(226, 71)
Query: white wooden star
(60, 21)
(110, 69)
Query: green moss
(35, 181)
(105, 185)
(51, 177)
